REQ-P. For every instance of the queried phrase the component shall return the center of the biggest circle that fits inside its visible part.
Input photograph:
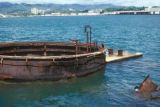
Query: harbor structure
(30, 61)
(146, 11)
(153, 10)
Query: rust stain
(49, 60)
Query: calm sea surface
(111, 87)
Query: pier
(120, 56)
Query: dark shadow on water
(21, 93)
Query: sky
(115, 2)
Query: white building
(110, 13)
(36, 11)
(56, 14)
(95, 11)
(88, 14)
(153, 10)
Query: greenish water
(60, 93)
(113, 86)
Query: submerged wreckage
(27, 61)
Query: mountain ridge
(7, 7)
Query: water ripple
(112, 87)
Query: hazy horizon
(115, 2)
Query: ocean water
(111, 87)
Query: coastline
(78, 15)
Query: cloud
(115, 2)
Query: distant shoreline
(79, 15)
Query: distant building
(153, 10)
(73, 14)
(36, 11)
(95, 11)
(110, 13)
(56, 14)
(88, 14)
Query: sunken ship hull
(27, 61)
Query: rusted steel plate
(62, 62)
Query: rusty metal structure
(29, 61)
